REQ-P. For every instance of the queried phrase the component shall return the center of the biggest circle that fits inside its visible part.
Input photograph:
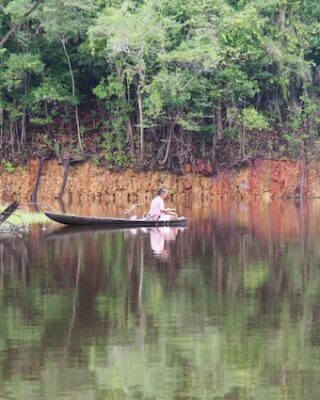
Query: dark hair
(162, 191)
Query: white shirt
(157, 205)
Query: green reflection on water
(230, 312)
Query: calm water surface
(228, 308)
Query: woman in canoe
(157, 208)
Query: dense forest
(159, 83)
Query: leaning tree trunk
(34, 194)
(67, 160)
(169, 140)
(65, 178)
(5, 214)
(16, 26)
(18, 139)
(62, 206)
(63, 42)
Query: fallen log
(5, 214)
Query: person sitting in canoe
(157, 208)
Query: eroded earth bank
(262, 179)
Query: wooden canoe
(69, 219)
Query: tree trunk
(214, 134)
(129, 127)
(243, 142)
(278, 110)
(37, 182)
(219, 123)
(282, 19)
(23, 128)
(62, 206)
(63, 42)
(5, 214)
(1, 128)
(129, 130)
(302, 173)
(64, 180)
(168, 144)
(47, 117)
(16, 132)
(142, 151)
(12, 141)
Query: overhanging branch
(18, 24)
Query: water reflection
(158, 239)
(227, 308)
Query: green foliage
(114, 152)
(66, 18)
(17, 67)
(294, 142)
(49, 143)
(41, 121)
(27, 218)
(8, 166)
(50, 91)
(252, 120)
(153, 64)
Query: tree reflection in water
(230, 311)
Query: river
(226, 308)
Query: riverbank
(265, 179)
